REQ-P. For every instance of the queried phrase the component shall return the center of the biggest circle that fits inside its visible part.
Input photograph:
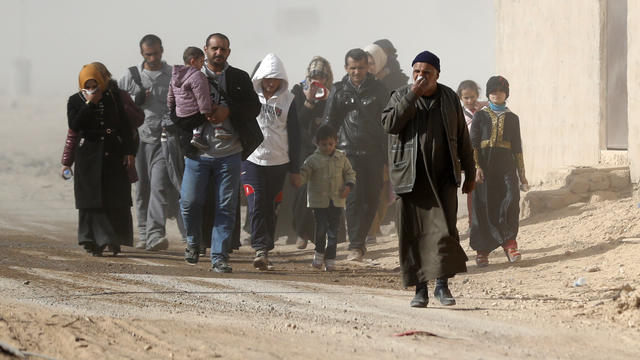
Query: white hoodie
(272, 119)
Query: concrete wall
(550, 51)
(633, 87)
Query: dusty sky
(58, 37)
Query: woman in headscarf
(310, 98)
(104, 154)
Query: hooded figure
(264, 170)
(379, 58)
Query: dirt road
(57, 301)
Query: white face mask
(89, 92)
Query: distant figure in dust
(390, 74)
(429, 145)
(156, 193)
(103, 156)
(497, 150)
(264, 171)
(468, 92)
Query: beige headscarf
(378, 55)
(320, 67)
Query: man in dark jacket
(354, 108)
(236, 106)
(428, 147)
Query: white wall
(550, 52)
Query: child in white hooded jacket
(264, 170)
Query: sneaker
(222, 267)
(261, 262)
(221, 133)
(301, 243)
(355, 255)
(270, 265)
(199, 142)
(141, 244)
(160, 244)
(191, 255)
(203, 251)
(318, 260)
(329, 264)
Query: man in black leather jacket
(354, 108)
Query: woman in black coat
(103, 156)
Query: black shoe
(191, 254)
(222, 267)
(422, 296)
(97, 251)
(443, 294)
(115, 249)
(89, 247)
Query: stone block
(557, 199)
(620, 179)
(578, 185)
(603, 196)
(599, 181)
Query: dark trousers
(362, 202)
(327, 221)
(262, 185)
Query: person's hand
(479, 176)
(310, 92)
(65, 168)
(129, 162)
(95, 97)
(345, 192)
(420, 87)
(220, 113)
(524, 184)
(295, 180)
(468, 185)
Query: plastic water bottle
(67, 174)
(580, 282)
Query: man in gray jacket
(156, 195)
(429, 145)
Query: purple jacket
(189, 91)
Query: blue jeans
(326, 230)
(224, 175)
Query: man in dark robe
(428, 147)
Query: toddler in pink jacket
(189, 93)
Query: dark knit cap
(497, 83)
(429, 58)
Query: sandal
(482, 260)
(513, 254)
